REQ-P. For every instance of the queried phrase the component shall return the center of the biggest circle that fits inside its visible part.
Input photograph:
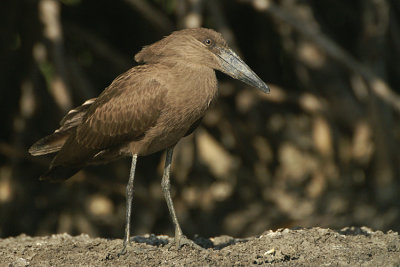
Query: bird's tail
(54, 142)
(59, 173)
(49, 144)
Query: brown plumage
(146, 109)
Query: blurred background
(321, 150)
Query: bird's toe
(181, 240)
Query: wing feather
(122, 113)
(125, 111)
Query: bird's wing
(123, 112)
(55, 141)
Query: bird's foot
(181, 241)
(123, 250)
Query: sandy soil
(284, 247)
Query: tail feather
(59, 173)
(70, 159)
(54, 142)
(49, 144)
(75, 116)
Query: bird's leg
(180, 239)
(129, 198)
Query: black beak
(235, 67)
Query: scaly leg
(180, 239)
(129, 198)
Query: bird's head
(203, 47)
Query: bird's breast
(190, 98)
(186, 102)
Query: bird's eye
(208, 42)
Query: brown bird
(147, 109)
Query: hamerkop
(147, 109)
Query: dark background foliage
(320, 150)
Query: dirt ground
(284, 247)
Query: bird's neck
(198, 76)
(195, 83)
